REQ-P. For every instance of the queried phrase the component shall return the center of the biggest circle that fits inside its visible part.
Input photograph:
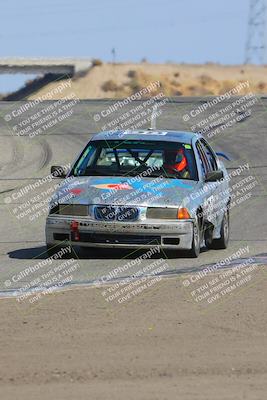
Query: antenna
(153, 117)
(256, 39)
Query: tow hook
(74, 229)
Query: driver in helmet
(176, 161)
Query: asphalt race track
(25, 160)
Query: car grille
(127, 214)
(105, 213)
(119, 239)
(113, 213)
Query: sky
(190, 31)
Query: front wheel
(195, 250)
(222, 243)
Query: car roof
(155, 135)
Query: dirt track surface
(73, 345)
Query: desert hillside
(120, 80)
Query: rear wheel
(222, 243)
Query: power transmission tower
(256, 40)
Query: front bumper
(169, 234)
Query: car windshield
(134, 157)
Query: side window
(210, 155)
(203, 159)
(86, 160)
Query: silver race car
(142, 189)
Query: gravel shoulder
(161, 345)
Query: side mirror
(214, 176)
(58, 172)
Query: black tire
(50, 250)
(222, 243)
(85, 252)
(208, 231)
(196, 241)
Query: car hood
(121, 191)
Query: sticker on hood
(113, 186)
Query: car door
(210, 189)
(221, 189)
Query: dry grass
(120, 80)
(111, 86)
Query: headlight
(167, 213)
(73, 209)
(161, 213)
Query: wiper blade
(94, 172)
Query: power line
(256, 39)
